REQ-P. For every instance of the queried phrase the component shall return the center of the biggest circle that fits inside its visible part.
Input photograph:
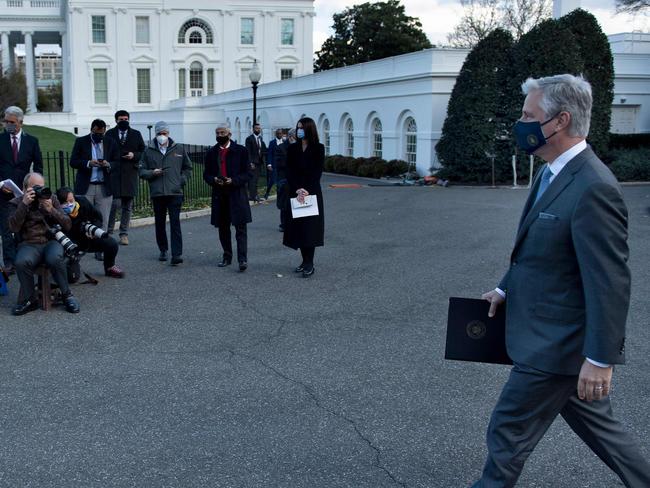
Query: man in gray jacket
(567, 292)
(167, 167)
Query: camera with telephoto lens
(42, 192)
(94, 232)
(69, 248)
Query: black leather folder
(472, 335)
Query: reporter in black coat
(124, 180)
(81, 211)
(14, 169)
(305, 160)
(227, 171)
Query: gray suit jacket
(568, 286)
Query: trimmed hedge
(629, 141)
(630, 164)
(368, 167)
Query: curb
(144, 221)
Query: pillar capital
(27, 32)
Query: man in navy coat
(228, 172)
(18, 152)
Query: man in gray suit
(567, 291)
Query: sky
(439, 17)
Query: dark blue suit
(29, 153)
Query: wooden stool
(43, 288)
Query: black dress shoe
(299, 269)
(243, 266)
(176, 260)
(163, 256)
(225, 262)
(99, 256)
(306, 273)
(71, 304)
(25, 307)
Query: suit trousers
(161, 206)
(109, 247)
(125, 204)
(528, 405)
(96, 195)
(30, 256)
(225, 236)
(252, 183)
(8, 242)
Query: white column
(29, 73)
(65, 72)
(6, 59)
(563, 7)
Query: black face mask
(97, 138)
(222, 140)
(123, 124)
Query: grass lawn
(51, 140)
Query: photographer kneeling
(87, 231)
(31, 218)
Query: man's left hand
(594, 382)
(46, 205)
(128, 155)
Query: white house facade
(393, 108)
(140, 55)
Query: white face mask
(162, 140)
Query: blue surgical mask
(300, 133)
(11, 128)
(67, 208)
(529, 135)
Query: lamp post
(255, 76)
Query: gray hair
(28, 177)
(224, 125)
(16, 112)
(564, 93)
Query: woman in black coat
(305, 161)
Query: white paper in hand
(11, 186)
(307, 209)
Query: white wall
(164, 55)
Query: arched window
(349, 138)
(196, 79)
(410, 140)
(326, 136)
(195, 31)
(237, 132)
(377, 141)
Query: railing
(32, 3)
(58, 173)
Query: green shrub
(631, 164)
(629, 141)
(368, 167)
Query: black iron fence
(58, 173)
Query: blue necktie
(546, 180)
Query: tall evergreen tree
(479, 113)
(547, 49)
(598, 70)
(370, 31)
